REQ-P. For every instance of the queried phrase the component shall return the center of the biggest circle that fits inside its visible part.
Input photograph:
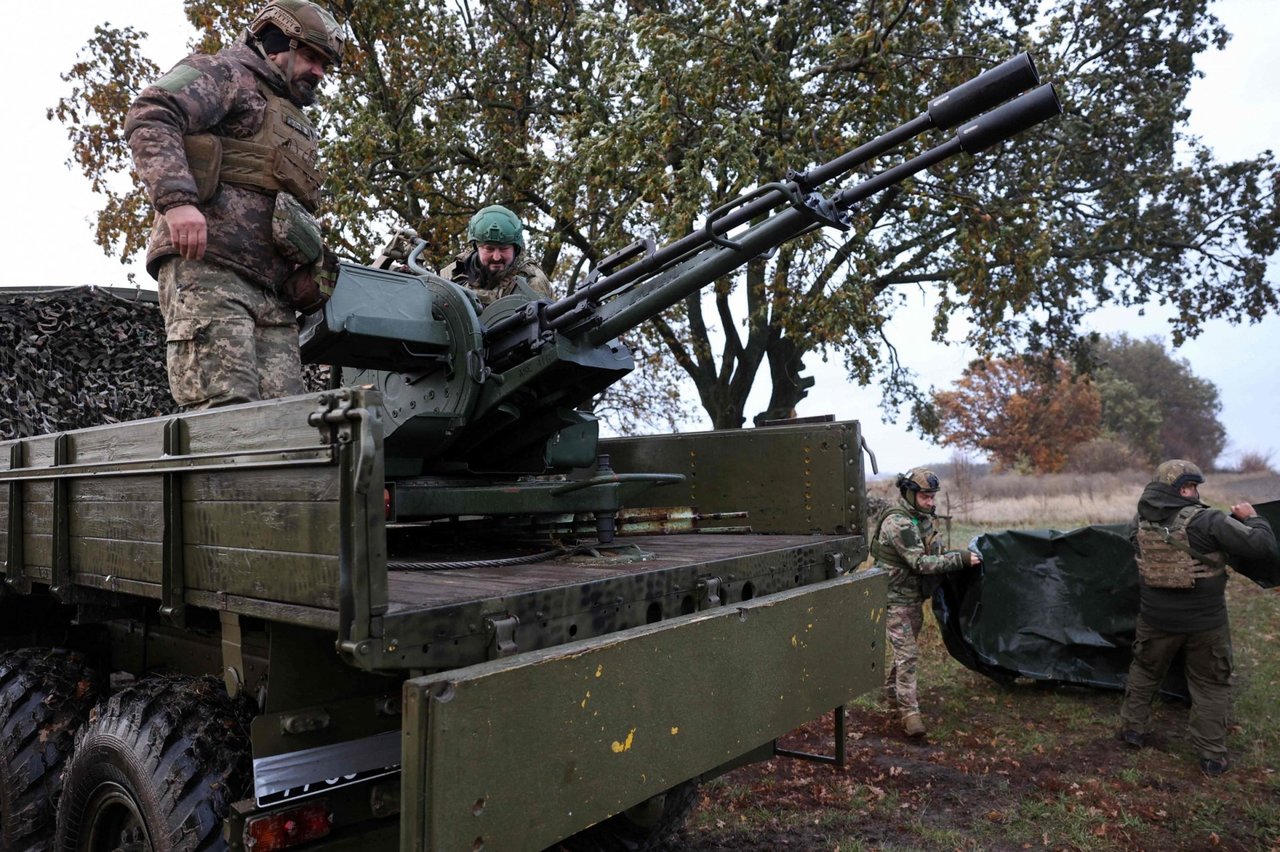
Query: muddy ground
(1014, 768)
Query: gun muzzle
(990, 88)
(1009, 120)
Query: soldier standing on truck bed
(228, 159)
(1182, 547)
(909, 548)
(495, 264)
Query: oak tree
(1024, 414)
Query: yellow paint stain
(794, 641)
(620, 747)
(599, 671)
(674, 730)
(586, 699)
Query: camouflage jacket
(465, 270)
(907, 546)
(224, 94)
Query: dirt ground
(1055, 783)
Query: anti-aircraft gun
(392, 615)
(470, 397)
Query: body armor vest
(886, 554)
(1166, 559)
(280, 156)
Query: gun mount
(496, 391)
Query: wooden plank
(131, 489)
(39, 451)
(308, 580)
(130, 441)
(37, 549)
(285, 527)
(319, 484)
(256, 425)
(131, 560)
(133, 521)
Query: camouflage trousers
(1208, 669)
(902, 627)
(228, 340)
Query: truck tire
(45, 695)
(157, 770)
(637, 829)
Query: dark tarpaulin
(1046, 605)
(1057, 606)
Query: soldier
(1182, 548)
(908, 547)
(495, 264)
(228, 160)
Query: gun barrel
(990, 88)
(1009, 120)
(996, 126)
(965, 101)
(660, 292)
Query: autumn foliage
(1023, 414)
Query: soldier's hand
(1243, 510)
(188, 230)
(974, 559)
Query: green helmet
(918, 479)
(1178, 472)
(496, 225)
(306, 23)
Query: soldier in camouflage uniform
(1182, 548)
(494, 263)
(228, 160)
(906, 544)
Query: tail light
(287, 828)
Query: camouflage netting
(83, 356)
(79, 357)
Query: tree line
(1136, 406)
(600, 122)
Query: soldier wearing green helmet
(495, 263)
(1182, 549)
(229, 161)
(905, 543)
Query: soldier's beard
(303, 89)
(489, 274)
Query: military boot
(913, 725)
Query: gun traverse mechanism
(470, 394)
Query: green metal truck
(429, 608)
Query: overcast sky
(46, 222)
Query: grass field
(1024, 766)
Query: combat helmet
(1178, 472)
(496, 225)
(304, 23)
(917, 480)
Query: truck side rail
(247, 508)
